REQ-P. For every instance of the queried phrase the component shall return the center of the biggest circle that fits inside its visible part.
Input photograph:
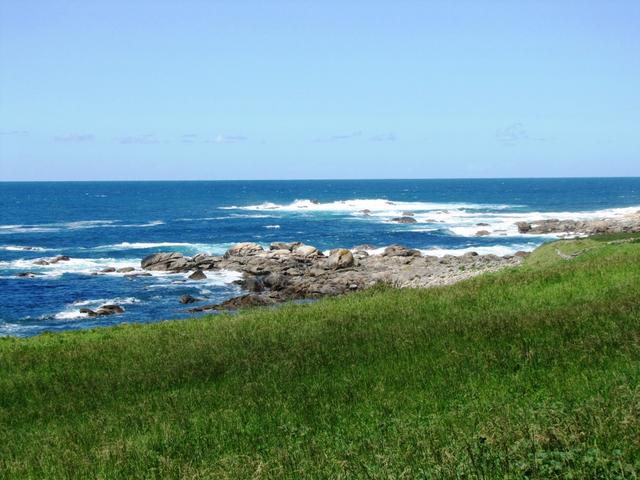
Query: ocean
(115, 224)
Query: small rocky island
(290, 271)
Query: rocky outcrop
(167, 262)
(103, 310)
(295, 271)
(627, 223)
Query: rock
(125, 270)
(243, 249)
(314, 201)
(482, 233)
(481, 224)
(306, 251)
(408, 214)
(60, 258)
(186, 299)
(470, 254)
(366, 212)
(521, 254)
(280, 253)
(27, 274)
(205, 261)
(41, 262)
(404, 219)
(363, 247)
(523, 227)
(138, 274)
(104, 310)
(284, 246)
(163, 262)
(340, 258)
(197, 275)
(400, 251)
(250, 300)
(275, 281)
(253, 284)
(108, 270)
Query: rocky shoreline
(625, 224)
(293, 271)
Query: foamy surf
(72, 312)
(374, 205)
(77, 225)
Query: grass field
(532, 372)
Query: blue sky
(115, 90)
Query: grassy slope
(531, 372)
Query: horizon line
(322, 179)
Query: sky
(206, 90)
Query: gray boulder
(339, 258)
(197, 275)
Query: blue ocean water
(116, 224)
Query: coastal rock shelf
(626, 224)
(288, 271)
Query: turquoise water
(115, 224)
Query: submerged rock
(186, 299)
(60, 258)
(27, 274)
(404, 219)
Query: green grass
(532, 372)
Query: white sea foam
(272, 226)
(72, 312)
(213, 249)
(499, 250)
(374, 205)
(80, 266)
(77, 225)
(22, 248)
(142, 245)
(215, 278)
(462, 219)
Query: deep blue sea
(116, 224)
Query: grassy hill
(532, 372)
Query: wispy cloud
(14, 132)
(384, 137)
(512, 134)
(189, 138)
(228, 139)
(339, 137)
(75, 137)
(145, 139)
